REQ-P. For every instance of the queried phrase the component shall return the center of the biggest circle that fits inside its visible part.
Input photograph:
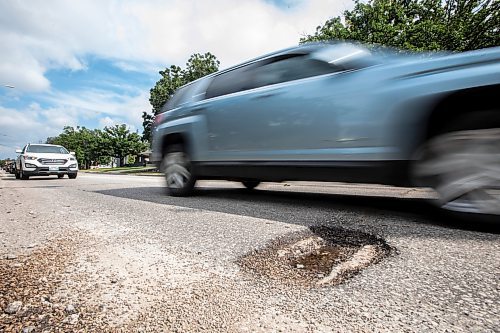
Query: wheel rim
(176, 169)
(464, 168)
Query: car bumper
(45, 171)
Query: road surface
(113, 253)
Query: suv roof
(43, 144)
(303, 49)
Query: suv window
(267, 72)
(192, 92)
(238, 79)
(177, 98)
(294, 68)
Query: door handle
(267, 95)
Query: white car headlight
(27, 157)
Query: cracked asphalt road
(114, 253)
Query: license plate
(53, 168)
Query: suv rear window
(178, 98)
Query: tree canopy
(454, 25)
(174, 77)
(171, 79)
(88, 145)
(122, 142)
(99, 146)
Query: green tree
(455, 25)
(171, 79)
(147, 124)
(122, 142)
(200, 65)
(90, 146)
(4, 162)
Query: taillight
(158, 119)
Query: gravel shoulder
(114, 254)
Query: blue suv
(342, 112)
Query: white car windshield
(46, 149)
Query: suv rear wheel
(462, 164)
(176, 166)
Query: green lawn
(147, 169)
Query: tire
(60, 176)
(250, 184)
(18, 176)
(72, 176)
(462, 163)
(23, 176)
(176, 165)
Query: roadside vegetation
(417, 25)
(97, 147)
(150, 170)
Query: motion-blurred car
(45, 160)
(342, 112)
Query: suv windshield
(46, 149)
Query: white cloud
(110, 122)
(18, 127)
(107, 122)
(136, 36)
(94, 104)
(35, 123)
(40, 35)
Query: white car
(45, 160)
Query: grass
(147, 169)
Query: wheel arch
(421, 118)
(177, 138)
(456, 107)
(462, 103)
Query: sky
(92, 62)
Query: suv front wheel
(22, 175)
(176, 166)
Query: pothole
(321, 256)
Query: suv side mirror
(18, 151)
(72, 153)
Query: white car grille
(51, 161)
